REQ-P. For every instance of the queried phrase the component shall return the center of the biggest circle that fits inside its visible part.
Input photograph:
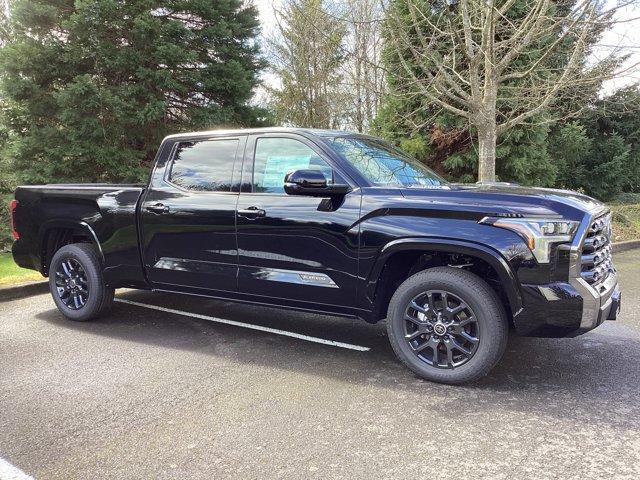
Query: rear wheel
(77, 284)
(447, 325)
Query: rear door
(297, 248)
(188, 216)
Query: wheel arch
(56, 233)
(386, 273)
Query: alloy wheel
(71, 284)
(441, 329)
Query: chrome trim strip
(294, 276)
(189, 265)
(299, 277)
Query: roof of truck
(238, 131)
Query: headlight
(538, 233)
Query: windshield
(383, 165)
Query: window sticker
(277, 166)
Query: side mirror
(312, 183)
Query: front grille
(596, 252)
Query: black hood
(509, 199)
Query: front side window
(276, 157)
(204, 166)
(384, 165)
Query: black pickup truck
(331, 222)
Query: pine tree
(91, 86)
(599, 152)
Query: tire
(86, 273)
(483, 320)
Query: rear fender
(80, 227)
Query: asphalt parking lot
(146, 393)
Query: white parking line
(248, 325)
(9, 472)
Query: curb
(624, 246)
(23, 290)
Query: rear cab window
(204, 165)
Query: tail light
(12, 208)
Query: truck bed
(101, 213)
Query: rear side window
(205, 166)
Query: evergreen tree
(91, 86)
(617, 115)
(599, 152)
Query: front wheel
(447, 325)
(76, 283)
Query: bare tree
(495, 63)
(326, 56)
(306, 58)
(364, 77)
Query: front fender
(508, 279)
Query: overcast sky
(626, 34)
(266, 12)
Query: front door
(295, 247)
(188, 217)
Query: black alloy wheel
(72, 284)
(441, 329)
(447, 325)
(77, 284)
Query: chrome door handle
(158, 208)
(252, 212)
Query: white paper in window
(277, 167)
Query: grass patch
(626, 221)
(10, 273)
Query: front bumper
(566, 309)
(598, 304)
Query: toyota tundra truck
(336, 223)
